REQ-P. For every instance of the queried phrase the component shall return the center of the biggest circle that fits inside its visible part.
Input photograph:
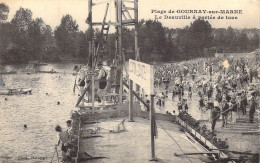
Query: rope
(173, 140)
(53, 155)
(57, 154)
(55, 151)
(230, 108)
(78, 140)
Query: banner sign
(143, 75)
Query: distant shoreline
(79, 60)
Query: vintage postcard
(129, 81)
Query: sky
(51, 11)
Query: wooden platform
(96, 105)
(133, 144)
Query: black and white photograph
(129, 81)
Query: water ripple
(39, 111)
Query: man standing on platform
(88, 82)
(252, 110)
(147, 101)
(214, 116)
(225, 107)
(81, 81)
(234, 109)
(243, 102)
(102, 78)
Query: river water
(39, 111)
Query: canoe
(15, 91)
(8, 72)
(38, 63)
(51, 72)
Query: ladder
(101, 45)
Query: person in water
(63, 139)
(68, 122)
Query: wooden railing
(77, 157)
(205, 142)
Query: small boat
(8, 72)
(51, 72)
(38, 63)
(16, 91)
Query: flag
(225, 64)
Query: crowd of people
(225, 87)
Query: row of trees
(24, 39)
(198, 39)
(233, 40)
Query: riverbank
(49, 61)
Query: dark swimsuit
(103, 82)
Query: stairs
(243, 126)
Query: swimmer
(68, 122)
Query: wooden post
(137, 57)
(90, 63)
(92, 54)
(119, 5)
(137, 89)
(152, 122)
(131, 101)
(93, 79)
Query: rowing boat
(15, 91)
(51, 72)
(8, 72)
(38, 63)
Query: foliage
(66, 35)
(4, 11)
(24, 39)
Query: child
(180, 106)
(190, 92)
(147, 101)
(186, 107)
(63, 139)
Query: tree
(200, 36)
(4, 11)
(254, 42)
(242, 42)
(22, 19)
(82, 45)
(36, 38)
(49, 38)
(229, 38)
(66, 35)
(5, 30)
(19, 36)
(152, 39)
